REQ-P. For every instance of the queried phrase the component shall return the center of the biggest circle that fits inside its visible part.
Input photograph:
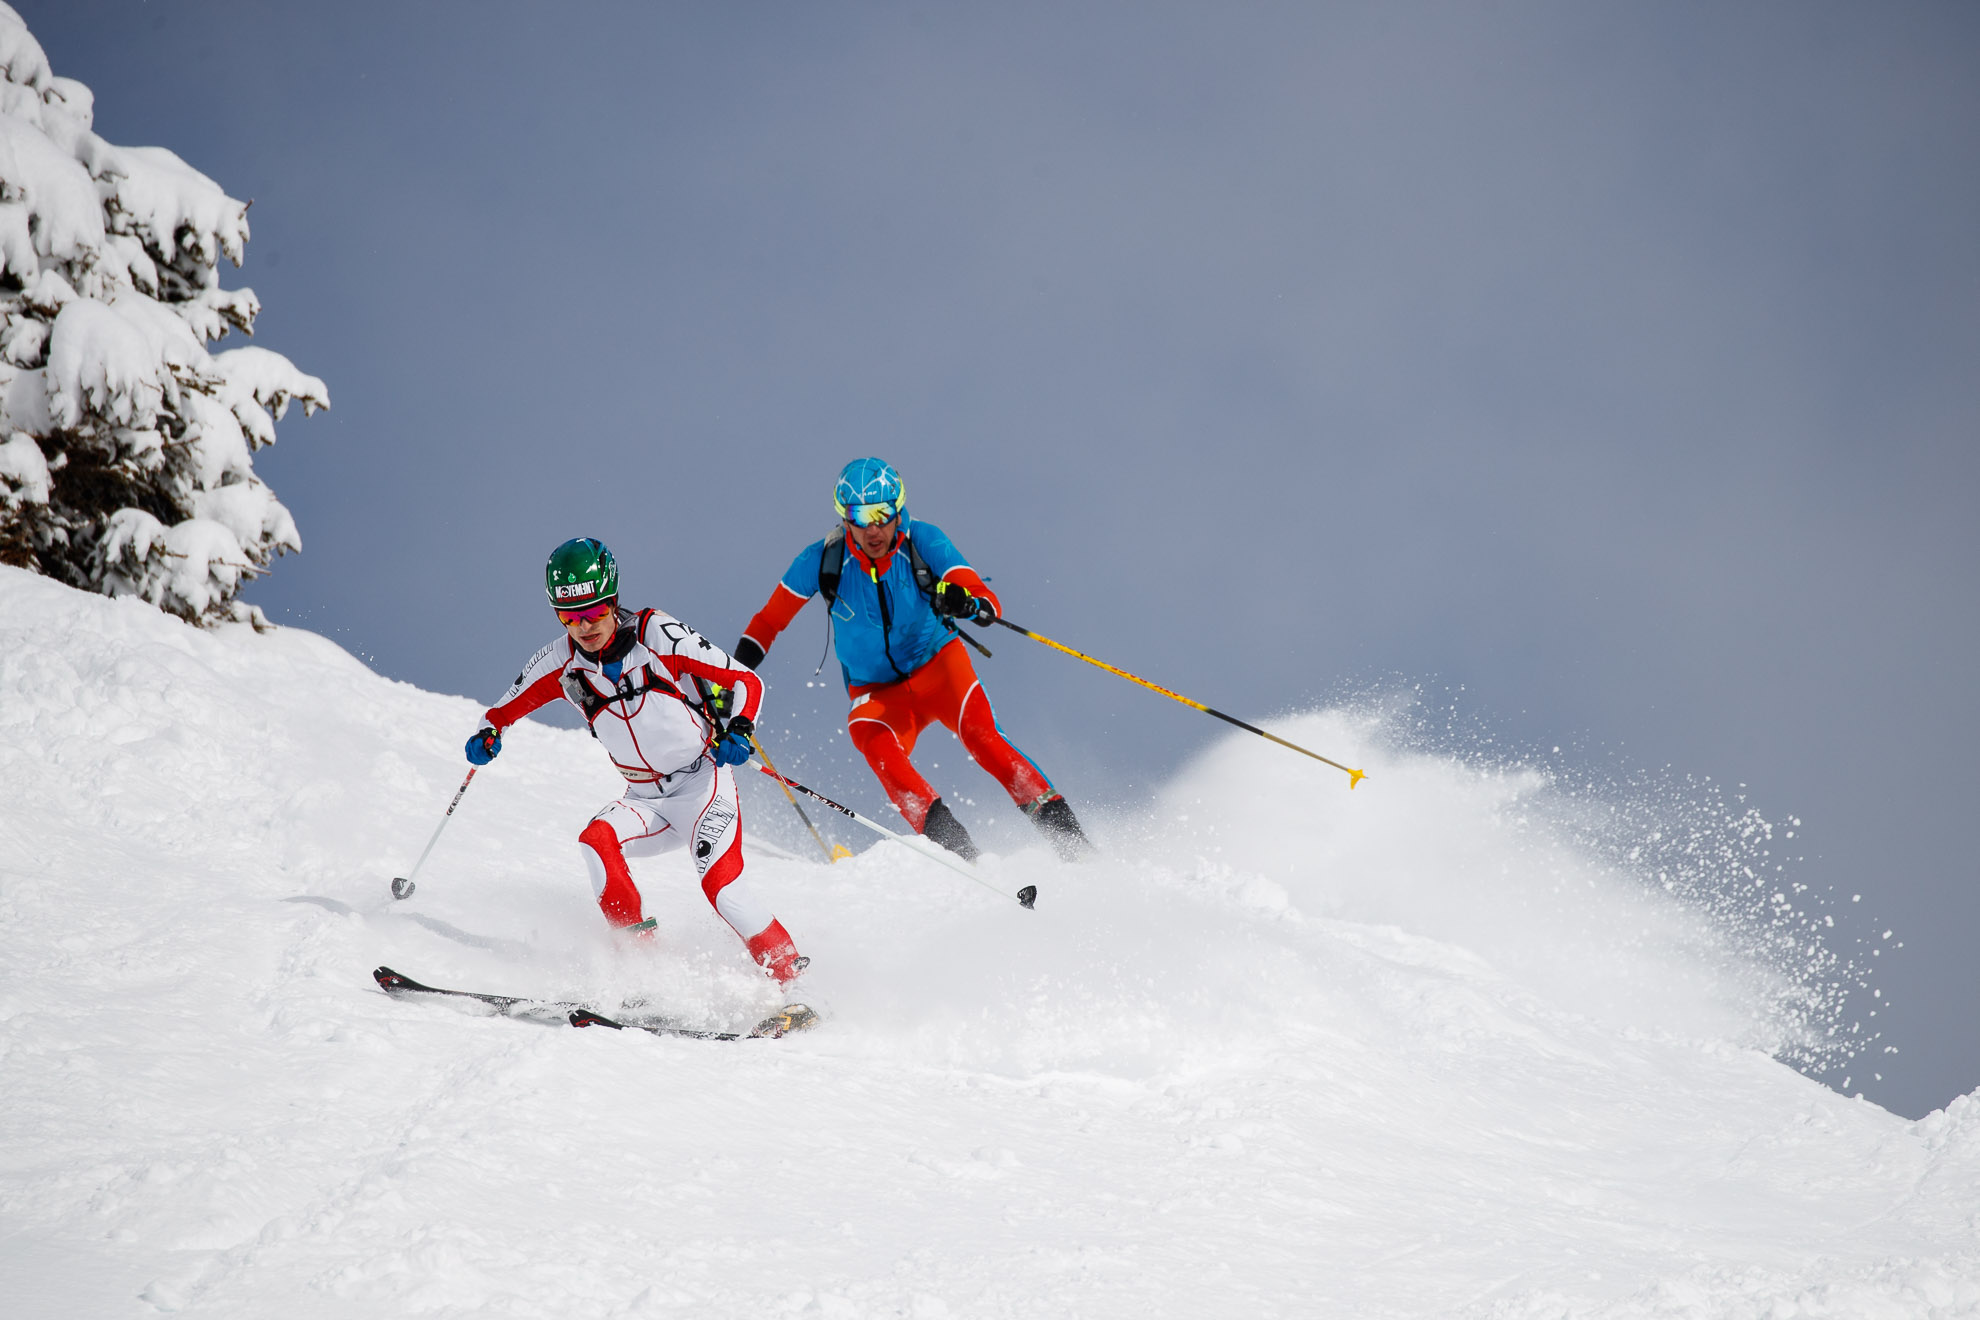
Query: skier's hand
(735, 747)
(952, 601)
(747, 653)
(485, 745)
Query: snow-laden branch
(115, 413)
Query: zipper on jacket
(886, 623)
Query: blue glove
(485, 745)
(734, 748)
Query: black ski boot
(1055, 820)
(942, 826)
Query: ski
(790, 1018)
(395, 983)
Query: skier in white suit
(647, 686)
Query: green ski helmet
(581, 573)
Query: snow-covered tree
(124, 444)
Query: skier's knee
(600, 840)
(722, 872)
(875, 741)
(906, 789)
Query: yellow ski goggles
(870, 515)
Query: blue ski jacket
(883, 627)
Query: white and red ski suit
(640, 698)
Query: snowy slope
(1285, 1052)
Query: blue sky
(1612, 373)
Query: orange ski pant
(886, 718)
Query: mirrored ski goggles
(870, 515)
(586, 616)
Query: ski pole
(402, 886)
(832, 854)
(934, 852)
(1354, 776)
(951, 623)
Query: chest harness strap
(590, 701)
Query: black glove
(953, 602)
(716, 701)
(747, 653)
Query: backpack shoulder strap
(698, 694)
(832, 565)
(924, 576)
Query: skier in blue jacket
(896, 592)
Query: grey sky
(1619, 365)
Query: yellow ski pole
(1354, 776)
(833, 852)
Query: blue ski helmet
(869, 493)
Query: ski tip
(388, 979)
(584, 1017)
(789, 1018)
(1028, 897)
